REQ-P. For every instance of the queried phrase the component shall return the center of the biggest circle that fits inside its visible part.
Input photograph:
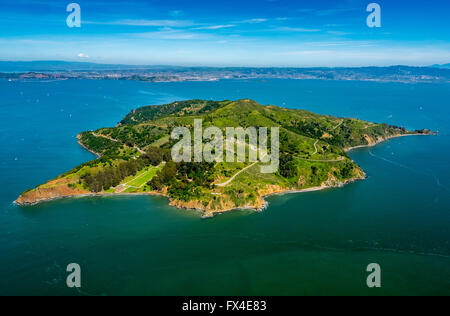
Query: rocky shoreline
(89, 150)
(259, 206)
(40, 195)
(373, 143)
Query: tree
(287, 166)
(156, 183)
(154, 156)
(169, 172)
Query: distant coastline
(77, 71)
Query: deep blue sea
(303, 244)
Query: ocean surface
(317, 243)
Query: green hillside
(135, 156)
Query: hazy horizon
(264, 33)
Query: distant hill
(445, 66)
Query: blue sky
(228, 33)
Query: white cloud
(81, 55)
(214, 27)
(254, 21)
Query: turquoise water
(312, 243)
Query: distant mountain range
(60, 70)
(446, 66)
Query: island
(134, 157)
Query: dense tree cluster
(200, 174)
(287, 145)
(288, 168)
(112, 176)
(183, 179)
(347, 170)
(184, 191)
(141, 136)
(149, 113)
(165, 177)
(157, 155)
(99, 145)
(310, 129)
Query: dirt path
(334, 128)
(234, 177)
(330, 160)
(263, 155)
(315, 147)
(316, 150)
(140, 176)
(104, 136)
(116, 141)
(122, 187)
